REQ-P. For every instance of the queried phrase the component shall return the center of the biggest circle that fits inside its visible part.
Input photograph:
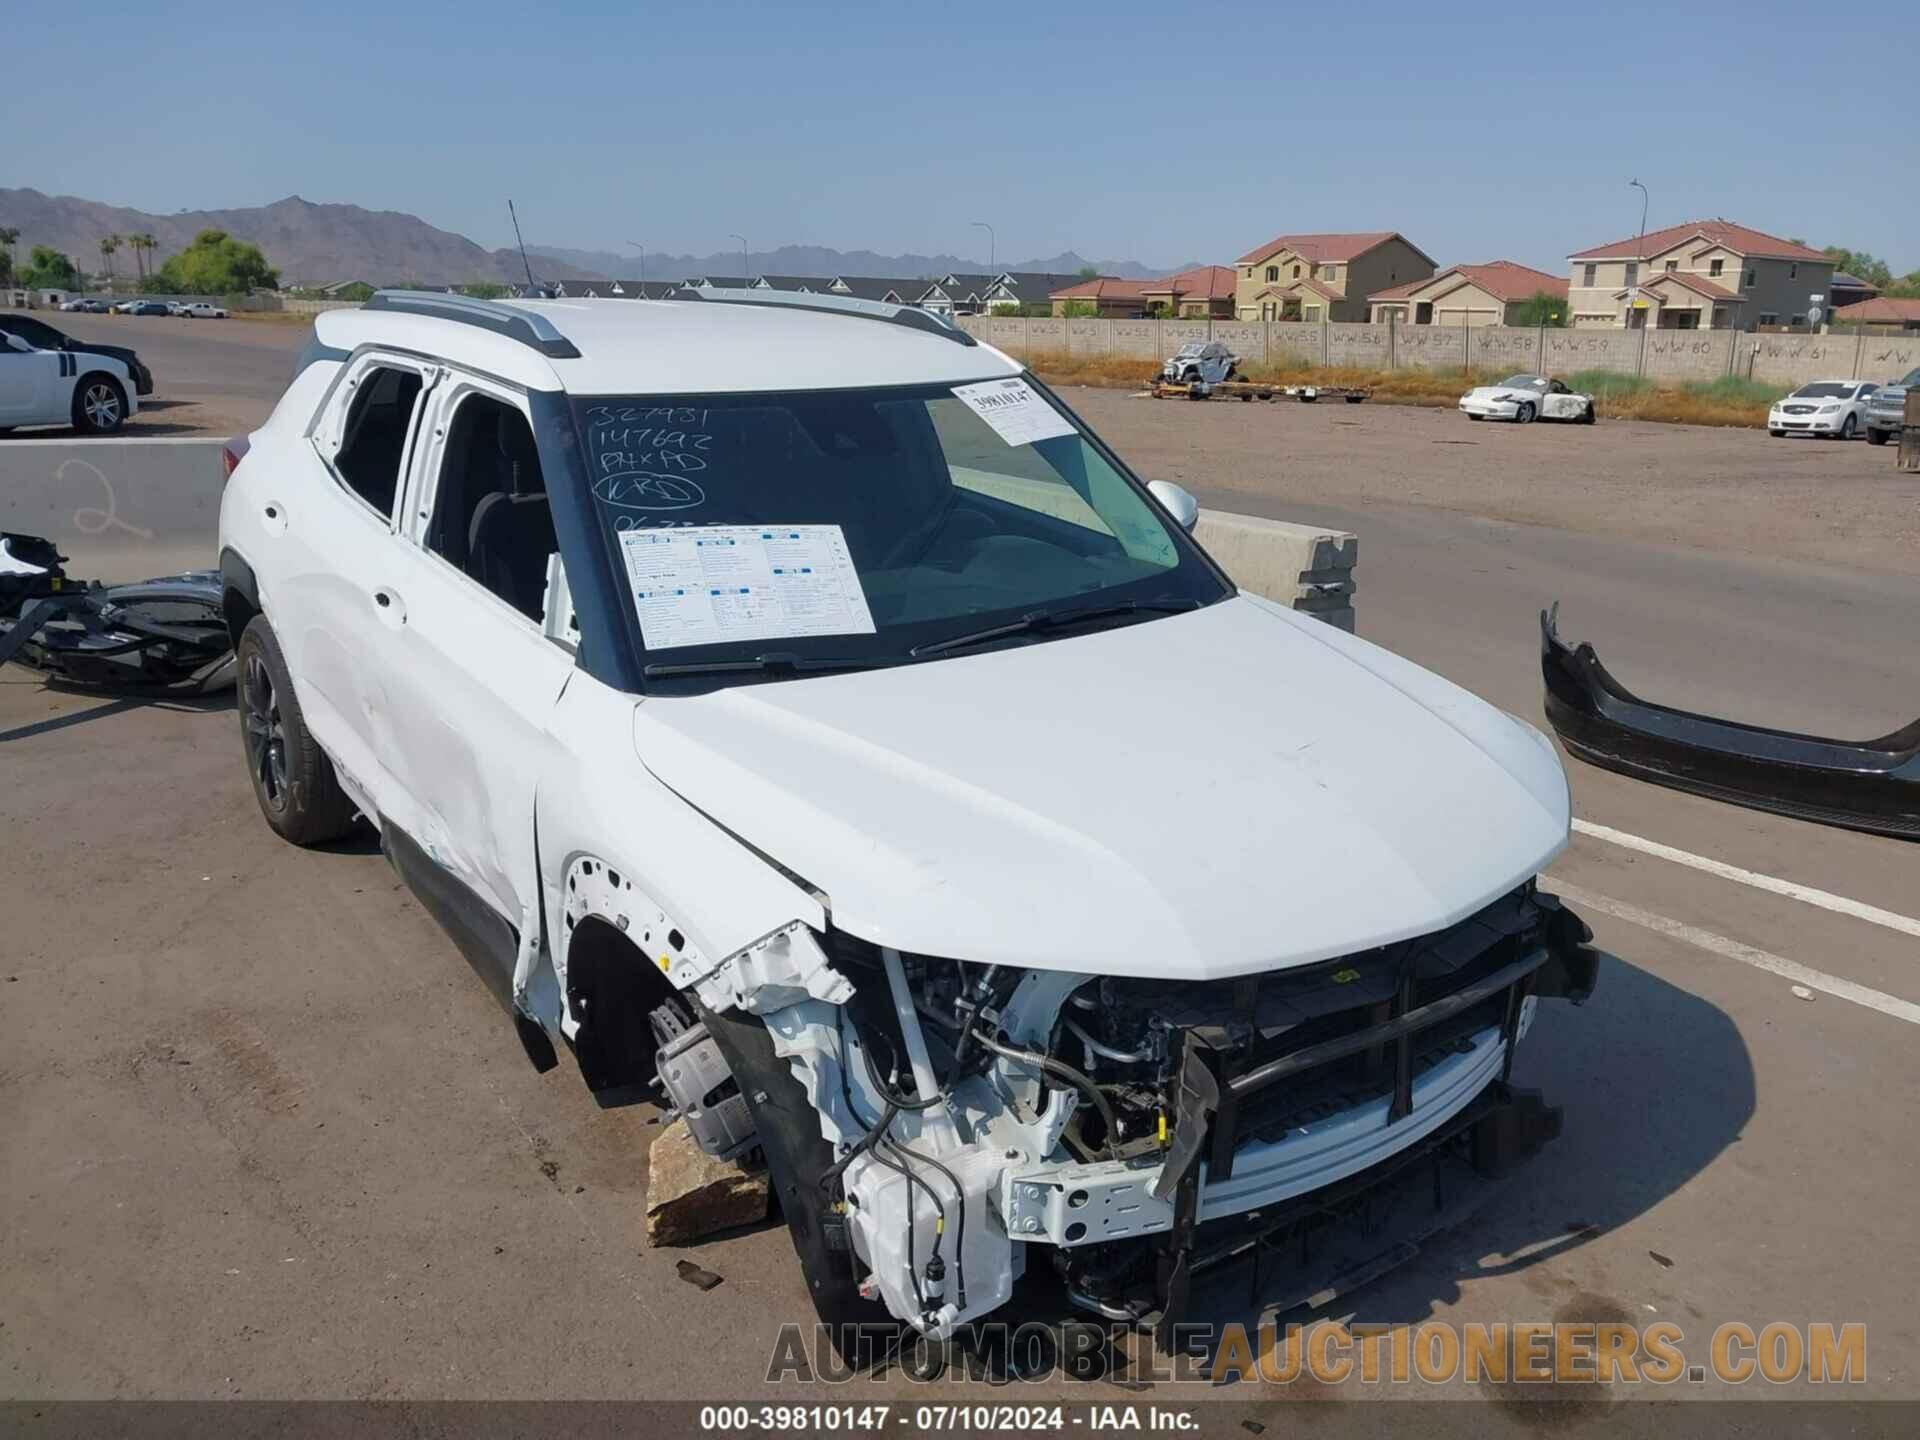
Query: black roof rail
(527, 326)
(912, 318)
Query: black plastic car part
(1871, 785)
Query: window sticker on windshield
(1014, 409)
(710, 584)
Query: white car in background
(200, 310)
(1836, 409)
(1526, 398)
(93, 393)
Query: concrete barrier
(119, 509)
(1306, 566)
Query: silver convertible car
(1526, 398)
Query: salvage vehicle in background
(1833, 409)
(43, 336)
(786, 704)
(1526, 398)
(92, 393)
(1207, 361)
(1887, 408)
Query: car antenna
(535, 290)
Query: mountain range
(317, 244)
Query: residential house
(1848, 290)
(1469, 295)
(1202, 293)
(1881, 313)
(1701, 275)
(640, 289)
(1324, 277)
(1104, 296)
(1029, 289)
(873, 287)
(955, 294)
(719, 282)
(795, 284)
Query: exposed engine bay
(975, 1112)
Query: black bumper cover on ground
(1871, 785)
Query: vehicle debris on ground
(1871, 785)
(161, 635)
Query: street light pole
(745, 278)
(993, 259)
(1639, 258)
(643, 264)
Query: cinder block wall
(1679, 355)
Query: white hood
(1229, 791)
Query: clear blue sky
(1161, 132)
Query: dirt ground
(1720, 489)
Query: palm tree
(107, 246)
(8, 235)
(149, 245)
(141, 245)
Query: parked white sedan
(1836, 409)
(1526, 398)
(93, 393)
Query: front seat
(511, 533)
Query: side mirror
(14, 342)
(1177, 502)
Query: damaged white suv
(786, 702)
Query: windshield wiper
(772, 663)
(1053, 620)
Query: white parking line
(1826, 900)
(1746, 954)
(94, 442)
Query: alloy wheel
(102, 407)
(266, 734)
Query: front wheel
(99, 405)
(1524, 415)
(1588, 417)
(1778, 434)
(1847, 428)
(292, 778)
(1876, 437)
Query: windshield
(1823, 390)
(1524, 382)
(854, 528)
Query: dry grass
(1727, 401)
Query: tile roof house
(1703, 274)
(1105, 296)
(1884, 312)
(1203, 292)
(1488, 294)
(1324, 276)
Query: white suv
(786, 701)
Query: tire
(1876, 437)
(1589, 417)
(1846, 430)
(99, 405)
(1524, 415)
(797, 1156)
(292, 778)
(1778, 434)
(1475, 418)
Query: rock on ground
(690, 1194)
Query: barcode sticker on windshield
(1014, 409)
(711, 584)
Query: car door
(327, 521)
(30, 384)
(476, 676)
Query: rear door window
(370, 446)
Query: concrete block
(1308, 567)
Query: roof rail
(527, 326)
(912, 318)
